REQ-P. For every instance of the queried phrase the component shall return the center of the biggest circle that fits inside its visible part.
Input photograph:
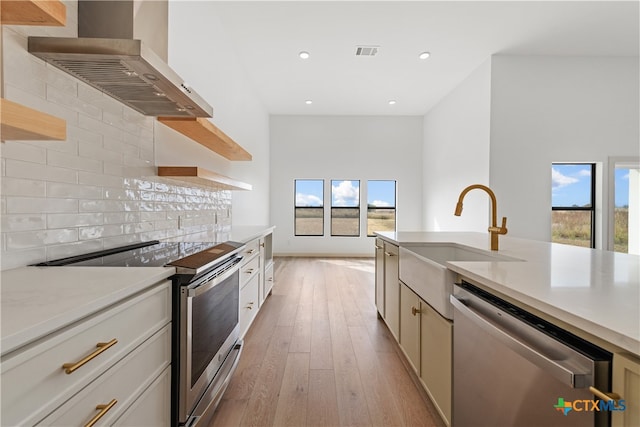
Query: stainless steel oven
(208, 347)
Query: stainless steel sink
(423, 268)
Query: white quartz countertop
(36, 301)
(595, 291)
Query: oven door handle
(208, 284)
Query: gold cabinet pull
(102, 346)
(607, 397)
(249, 271)
(389, 253)
(103, 410)
(414, 310)
(378, 247)
(250, 251)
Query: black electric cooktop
(146, 254)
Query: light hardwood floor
(317, 355)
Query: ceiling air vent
(367, 50)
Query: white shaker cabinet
(99, 366)
(626, 383)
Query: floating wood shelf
(196, 175)
(23, 123)
(206, 133)
(33, 12)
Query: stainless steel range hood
(121, 51)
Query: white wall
(556, 109)
(456, 154)
(201, 53)
(343, 147)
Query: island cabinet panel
(410, 325)
(392, 289)
(436, 352)
(379, 248)
(626, 383)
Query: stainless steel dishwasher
(511, 368)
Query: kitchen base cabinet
(392, 289)
(426, 340)
(410, 326)
(115, 353)
(436, 352)
(269, 279)
(380, 276)
(626, 383)
(249, 303)
(150, 409)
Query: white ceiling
(267, 37)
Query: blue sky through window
(571, 185)
(309, 193)
(345, 193)
(381, 193)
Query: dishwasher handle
(558, 371)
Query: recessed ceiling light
(304, 55)
(392, 102)
(424, 55)
(308, 102)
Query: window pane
(309, 207)
(571, 227)
(626, 237)
(381, 203)
(571, 185)
(345, 208)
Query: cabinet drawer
(33, 380)
(252, 249)
(153, 408)
(268, 279)
(249, 270)
(124, 382)
(249, 302)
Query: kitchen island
(592, 293)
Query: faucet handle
(503, 228)
(500, 230)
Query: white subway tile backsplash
(74, 219)
(99, 189)
(68, 161)
(23, 187)
(73, 191)
(69, 98)
(101, 179)
(19, 258)
(40, 205)
(33, 239)
(22, 151)
(29, 170)
(98, 231)
(23, 222)
(122, 217)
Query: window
(345, 208)
(626, 206)
(309, 207)
(572, 204)
(381, 206)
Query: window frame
(591, 208)
(358, 207)
(394, 207)
(296, 207)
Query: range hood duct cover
(123, 68)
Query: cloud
(380, 203)
(345, 194)
(559, 180)
(584, 172)
(307, 200)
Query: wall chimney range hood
(121, 50)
